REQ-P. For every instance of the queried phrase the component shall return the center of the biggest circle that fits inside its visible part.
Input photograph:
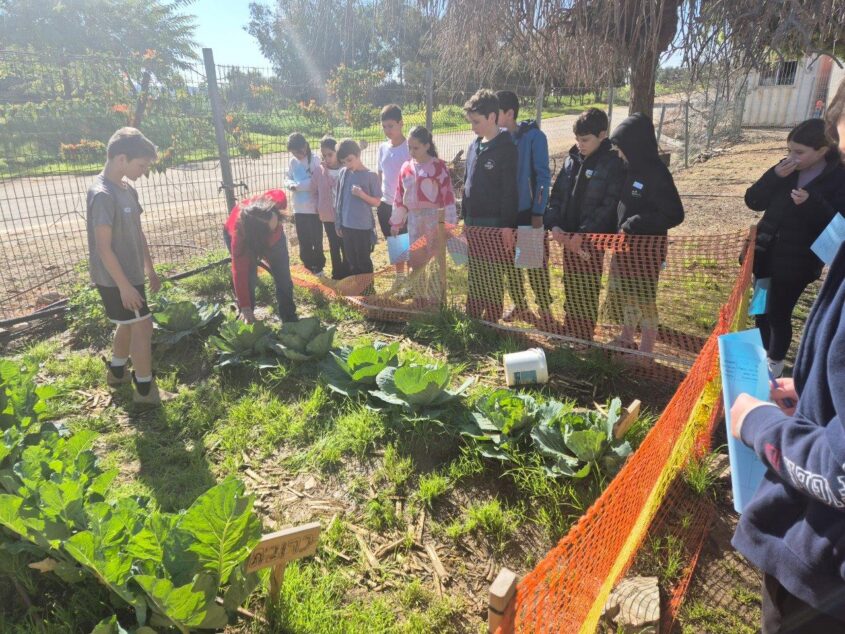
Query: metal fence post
(541, 95)
(686, 134)
(228, 184)
(429, 97)
(660, 123)
(611, 93)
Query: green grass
(697, 616)
(356, 432)
(491, 519)
(701, 475)
(431, 487)
(396, 470)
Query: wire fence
(55, 119)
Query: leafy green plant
(86, 317)
(417, 387)
(174, 321)
(351, 370)
(168, 567)
(251, 345)
(579, 441)
(305, 339)
(503, 420)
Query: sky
(220, 27)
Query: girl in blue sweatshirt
(794, 527)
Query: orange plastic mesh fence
(651, 297)
(566, 592)
(680, 293)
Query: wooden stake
(441, 253)
(629, 416)
(277, 577)
(501, 593)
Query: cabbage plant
(305, 339)
(502, 421)
(580, 441)
(239, 343)
(351, 370)
(417, 387)
(174, 321)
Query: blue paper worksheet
(742, 359)
(827, 244)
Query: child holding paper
(799, 196)
(793, 529)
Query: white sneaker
(320, 273)
(776, 367)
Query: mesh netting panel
(567, 591)
(651, 298)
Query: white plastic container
(526, 367)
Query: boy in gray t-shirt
(358, 191)
(119, 258)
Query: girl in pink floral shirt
(424, 187)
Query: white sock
(117, 362)
(143, 379)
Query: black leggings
(309, 230)
(776, 325)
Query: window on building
(779, 74)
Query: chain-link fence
(56, 117)
(693, 126)
(54, 123)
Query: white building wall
(781, 106)
(837, 76)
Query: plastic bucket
(526, 367)
(397, 248)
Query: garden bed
(388, 486)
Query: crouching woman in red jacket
(254, 232)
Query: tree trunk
(654, 39)
(141, 102)
(643, 71)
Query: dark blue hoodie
(794, 527)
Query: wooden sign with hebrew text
(283, 546)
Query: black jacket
(585, 196)
(493, 200)
(650, 204)
(786, 230)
